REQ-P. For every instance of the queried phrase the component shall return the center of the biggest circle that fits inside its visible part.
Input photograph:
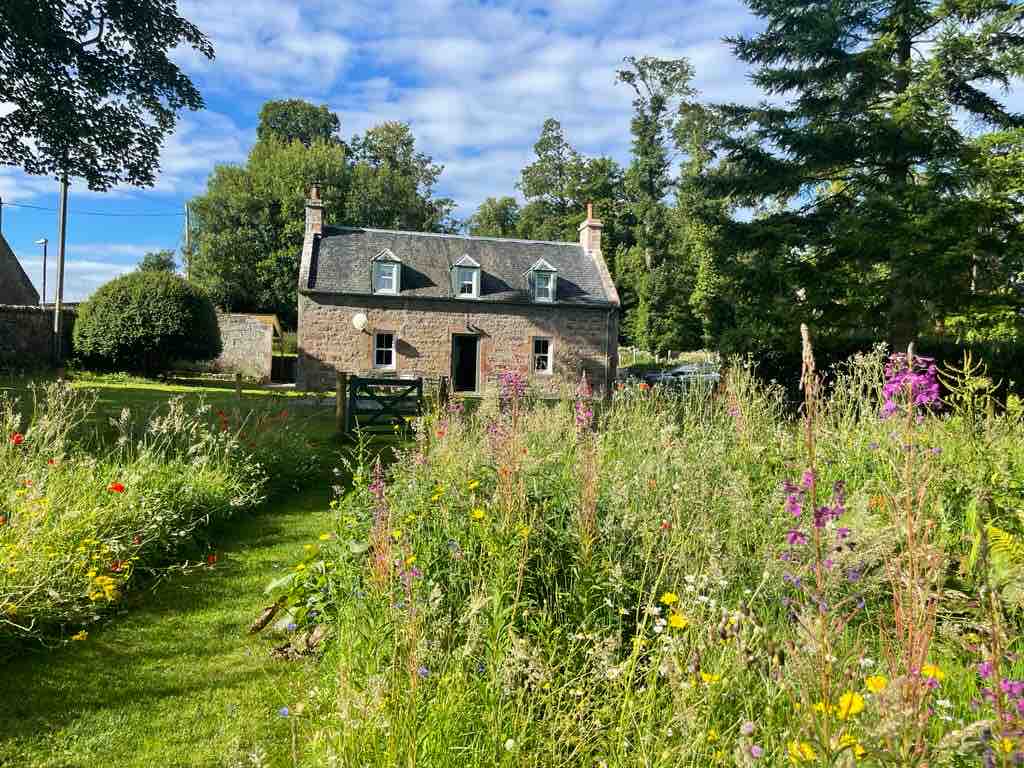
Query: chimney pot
(314, 212)
(590, 232)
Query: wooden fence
(376, 404)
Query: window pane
(540, 346)
(542, 355)
(384, 275)
(543, 283)
(384, 355)
(466, 282)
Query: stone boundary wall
(26, 336)
(248, 346)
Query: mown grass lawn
(176, 680)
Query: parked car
(683, 376)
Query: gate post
(341, 401)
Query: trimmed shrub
(143, 321)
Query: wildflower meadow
(84, 517)
(679, 578)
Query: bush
(145, 320)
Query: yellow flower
(1005, 745)
(436, 496)
(709, 678)
(524, 531)
(300, 567)
(825, 709)
(670, 598)
(801, 752)
(396, 534)
(712, 735)
(677, 621)
(850, 704)
(325, 537)
(876, 683)
(80, 635)
(478, 514)
(474, 484)
(930, 670)
(846, 740)
(410, 559)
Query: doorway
(465, 363)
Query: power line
(93, 213)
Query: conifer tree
(859, 164)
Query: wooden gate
(377, 403)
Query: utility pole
(188, 244)
(58, 340)
(43, 241)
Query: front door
(465, 363)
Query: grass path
(175, 681)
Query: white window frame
(474, 280)
(386, 268)
(534, 354)
(378, 348)
(551, 278)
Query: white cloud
(86, 268)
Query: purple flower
(793, 505)
(423, 672)
(936, 451)
(985, 669)
(853, 575)
(283, 712)
(292, 626)
(842, 533)
(807, 478)
(795, 537)
(747, 728)
(756, 751)
(914, 384)
(873, 446)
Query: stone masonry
(248, 346)
(26, 336)
(329, 342)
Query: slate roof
(341, 264)
(15, 287)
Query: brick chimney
(590, 232)
(314, 212)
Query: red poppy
(211, 559)
(116, 488)
(51, 462)
(117, 566)
(3, 520)
(17, 438)
(28, 483)
(644, 385)
(666, 525)
(441, 433)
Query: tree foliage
(158, 261)
(145, 320)
(496, 217)
(93, 89)
(249, 226)
(875, 210)
(297, 120)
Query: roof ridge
(452, 236)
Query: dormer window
(387, 273)
(466, 278)
(543, 279)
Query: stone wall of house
(248, 346)
(328, 342)
(26, 336)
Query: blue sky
(475, 79)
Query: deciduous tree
(93, 89)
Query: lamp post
(43, 241)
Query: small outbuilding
(15, 286)
(386, 303)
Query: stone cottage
(15, 287)
(406, 304)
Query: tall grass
(78, 525)
(695, 579)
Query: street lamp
(43, 241)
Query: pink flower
(795, 537)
